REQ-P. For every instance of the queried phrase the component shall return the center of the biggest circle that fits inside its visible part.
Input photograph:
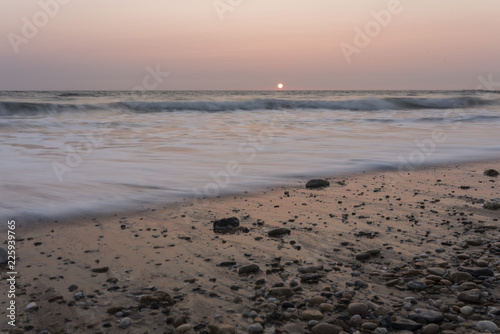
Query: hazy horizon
(248, 45)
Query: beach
(398, 251)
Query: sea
(68, 153)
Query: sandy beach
(371, 253)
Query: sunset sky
(247, 44)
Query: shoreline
(297, 181)
(367, 243)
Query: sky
(248, 44)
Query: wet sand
(365, 254)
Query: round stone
(255, 328)
(487, 325)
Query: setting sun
(280, 86)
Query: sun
(280, 86)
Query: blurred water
(67, 152)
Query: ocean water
(65, 153)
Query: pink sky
(91, 44)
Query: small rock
(460, 277)
(255, 328)
(471, 296)
(278, 232)
(486, 325)
(430, 329)
(226, 225)
(184, 328)
(312, 315)
(436, 271)
(474, 242)
(491, 172)
(251, 268)
(426, 316)
(363, 256)
(222, 329)
(317, 183)
(310, 269)
(156, 297)
(467, 310)
(405, 324)
(31, 307)
(326, 329)
(100, 270)
(326, 307)
(358, 308)
(124, 323)
(278, 292)
(478, 272)
(492, 204)
(416, 285)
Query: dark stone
(477, 272)
(491, 172)
(278, 232)
(424, 316)
(100, 270)
(317, 183)
(72, 287)
(251, 268)
(227, 264)
(405, 325)
(363, 256)
(226, 225)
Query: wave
(13, 108)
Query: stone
(310, 269)
(226, 225)
(156, 297)
(492, 204)
(124, 323)
(255, 328)
(317, 183)
(474, 242)
(486, 325)
(222, 329)
(405, 324)
(460, 277)
(4, 255)
(325, 307)
(251, 268)
(416, 285)
(278, 292)
(184, 328)
(425, 316)
(491, 172)
(312, 315)
(326, 329)
(430, 329)
(436, 271)
(467, 310)
(278, 232)
(380, 330)
(470, 296)
(100, 270)
(478, 272)
(358, 308)
(363, 256)
(369, 325)
(31, 307)
(317, 300)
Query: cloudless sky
(107, 44)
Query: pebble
(358, 308)
(466, 310)
(486, 325)
(184, 328)
(124, 323)
(326, 329)
(471, 296)
(326, 307)
(426, 316)
(278, 232)
(312, 315)
(278, 292)
(492, 204)
(31, 307)
(251, 268)
(416, 285)
(491, 172)
(255, 328)
(222, 329)
(317, 183)
(430, 329)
